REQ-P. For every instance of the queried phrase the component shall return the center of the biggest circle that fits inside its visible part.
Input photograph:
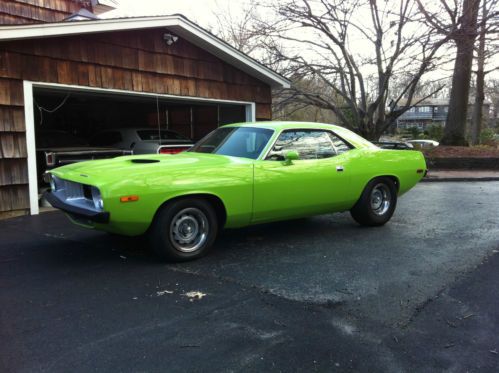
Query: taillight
(171, 150)
(49, 159)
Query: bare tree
(239, 30)
(458, 22)
(488, 32)
(354, 48)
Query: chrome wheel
(380, 199)
(189, 230)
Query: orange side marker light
(129, 198)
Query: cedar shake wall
(38, 11)
(131, 60)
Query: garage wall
(132, 60)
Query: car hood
(141, 166)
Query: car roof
(284, 125)
(278, 126)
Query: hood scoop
(145, 160)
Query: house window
(424, 109)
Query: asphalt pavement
(317, 294)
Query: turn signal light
(129, 198)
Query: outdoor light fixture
(170, 39)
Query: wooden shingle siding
(13, 145)
(14, 197)
(36, 11)
(13, 172)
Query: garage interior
(84, 114)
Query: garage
(75, 125)
(83, 79)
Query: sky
(200, 11)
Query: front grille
(76, 194)
(70, 189)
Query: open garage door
(69, 124)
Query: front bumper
(78, 212)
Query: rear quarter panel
(366, 164)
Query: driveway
(313, 294)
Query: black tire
(183, 230)
(377, 203)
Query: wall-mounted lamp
(170, 39)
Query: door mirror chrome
(291, 156)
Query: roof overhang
(176, 23)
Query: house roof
(176, 23)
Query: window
(340, 145)
(245, 142)
(309, 144)
(424, 109)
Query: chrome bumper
(77, 211)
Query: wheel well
(392, 178)
(214, 201)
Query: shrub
(487, 136)
(415, 132)
(435, 132)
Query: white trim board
(176, 23)
(29, 120)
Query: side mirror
(291, 156)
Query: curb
(459, 179)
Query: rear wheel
(377, 203)
(184, 230)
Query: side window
(340, 145)
(312, 144)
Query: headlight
(97, 199)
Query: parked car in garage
(143, 140)
(238, 175)
(58, 148)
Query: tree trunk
(455, 125)
(476, 124)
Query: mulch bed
(462, 152)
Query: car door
(315, 183)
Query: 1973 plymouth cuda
(238, 175)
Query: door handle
(339, 168)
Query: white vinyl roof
(178, 24)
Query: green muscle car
(238, 175)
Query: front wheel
(377, 203)
(183, 230)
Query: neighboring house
(431, 111)
(84, 76)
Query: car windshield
(155, 134)
(244, 142)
